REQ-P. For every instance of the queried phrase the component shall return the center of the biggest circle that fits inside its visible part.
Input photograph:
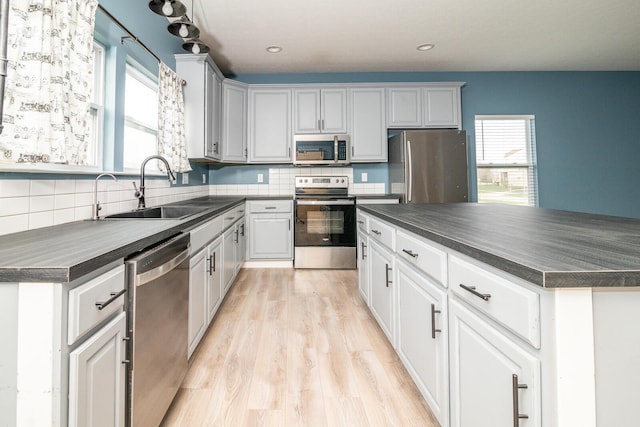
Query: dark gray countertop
(63, 253)
(549, 248)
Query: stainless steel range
(325, 226)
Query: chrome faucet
(96, 203)
(140, 191)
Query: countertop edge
(543, 279)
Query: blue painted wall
(587, 128)
(150, 28)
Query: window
(140, 118)
(506, 160)
(94, 157)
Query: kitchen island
(501, 312)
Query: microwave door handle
(335, 149)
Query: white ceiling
(382, 35)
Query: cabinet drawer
(205, 233)
(84, 313)
(363, 222)
(424, 255)
(383, 233)
(231, 216)
(270, 206)
(498, 296)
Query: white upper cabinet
(320, 110)
(424, 106)
(367, 120)
(441, 106)
(404, 107)
(202, 99)
(270, 125)
(234, 121)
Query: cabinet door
(270, 236)
(270, 125)
(441, 106)
(198, 281)
(333, 111)
(234, 122)
(382, 284)
(483, 364)
(368, 125)
(306, 110)
(228, 257)
(241, 247)
(212, 111)
(196, 103)
(214, 279)
(422, 337)
(363, 266)
(97, 378)
(404, 107)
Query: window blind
(506, 159)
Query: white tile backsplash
(29, 204)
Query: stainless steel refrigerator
(429, 166)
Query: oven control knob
(342, 181)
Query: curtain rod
(131, 35)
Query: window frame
(97, 105)
(531, 165)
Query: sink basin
(160, 212)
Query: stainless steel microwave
(321, 149)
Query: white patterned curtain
(49, 81)
(172, 143)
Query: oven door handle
(325, 202)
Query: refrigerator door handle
(409, 162)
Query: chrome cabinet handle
(270, 207)
(230, 218)
(360, 221)
(433, 321)
(242, 228)
(387, 269)
(214, 261)
(376, 232)
(410, 253)
(515, 387)
(114, 296)
(472, 289)
(364, 256)
(237, 239)
(212, 267)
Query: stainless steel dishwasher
(158, 280)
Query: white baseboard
(268, 264)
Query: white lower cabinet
(382, 284)
(214, 280)
(228, 257)
(241, 245)
(494, 381)
(97, 377)
(197, 298)
(423, 337)
(363, 266)
(212, 270)
(270, 229)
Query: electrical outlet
(185, 178)
(260, 178)
(204, 178)
(365, 177)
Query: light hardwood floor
(296, 348)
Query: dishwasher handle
(161, 270)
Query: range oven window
(325, 225)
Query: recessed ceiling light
(426, 46)
(274, 49)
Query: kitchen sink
(160, 212)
